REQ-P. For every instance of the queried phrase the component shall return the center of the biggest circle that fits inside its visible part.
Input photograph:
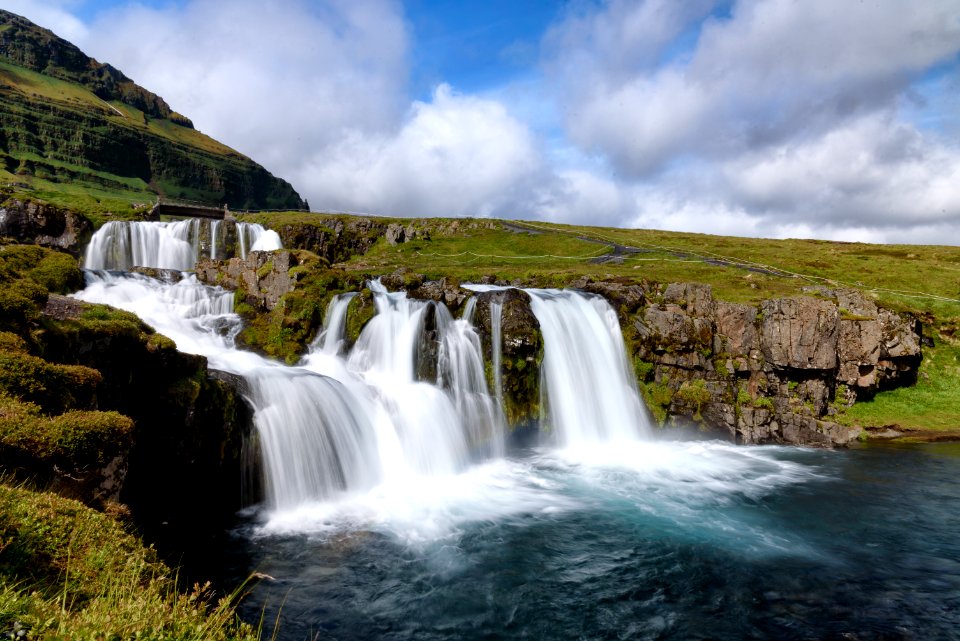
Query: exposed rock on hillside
(45, 225)
(522, 350)
(333, 239)
(262, 277)
(68, 118)
(773, 374)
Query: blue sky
(775, 118)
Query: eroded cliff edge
(776, 372)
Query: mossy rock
(58, 273)
(74, 440)
(359, 312)
(55, 388)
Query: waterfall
(214, 230)
(122, 245)
(408, 405)
(460, 371)
(331, 339)
(256, 238)
(588, 392)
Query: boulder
(521, 350)
(395, 235)
(264, 277)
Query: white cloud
(875, 171)
(777, 118)
(782, 118)
(275, 80)
(454, 156)
(55, 15)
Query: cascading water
(613, 535)
(589, 393)
(496, 348)
(121, 245)
(331, 340)
(460, 370)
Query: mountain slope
(80, 132)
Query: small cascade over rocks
(122, 245)
(588, 392)
(331, 339)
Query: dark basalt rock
(521, 351)
(45, 225)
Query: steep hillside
(81, 134)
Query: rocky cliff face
(776, 372)
(45, 225)
(773, 373)
(185, 451)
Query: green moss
(847, 315)
(265, 270)
(763, 402)
(658, 397)
(58, 273)
(53, 387)
(359, 312)
(695, 394)
(73, 440)
(642, 368)
(160, 343)
(10, 342)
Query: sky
(831, 119)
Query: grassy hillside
(920, 280)
(80, 134)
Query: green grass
(70, 572)
(932, 404)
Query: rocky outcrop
(773, 373)
(521, 350)
(185, 451)
(45, 225)
(625, 295)
(262, 277)
(335, 239)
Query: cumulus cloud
(781, 117)
(453, 156)
(771, 71)
(277, 80)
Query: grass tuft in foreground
(70, 572)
